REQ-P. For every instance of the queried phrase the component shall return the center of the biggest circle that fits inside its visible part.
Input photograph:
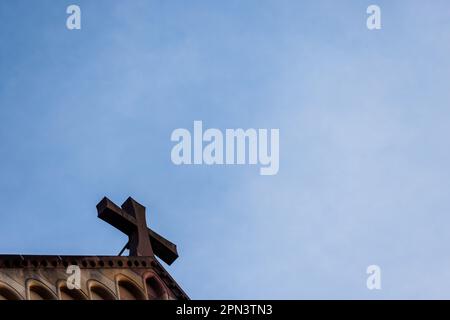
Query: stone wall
(102, 278)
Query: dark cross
(130, 219)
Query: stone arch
(128, 289)
(37, 290)
(155, 288)
(64, 293)
(8, 293)
(98, 291)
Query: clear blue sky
(364, 126)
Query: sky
(363, 115)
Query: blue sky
(364, 151)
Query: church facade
(139, 276)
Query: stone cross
(130, 219)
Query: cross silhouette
(130, 219)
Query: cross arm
(163, 248)
(114, 215)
